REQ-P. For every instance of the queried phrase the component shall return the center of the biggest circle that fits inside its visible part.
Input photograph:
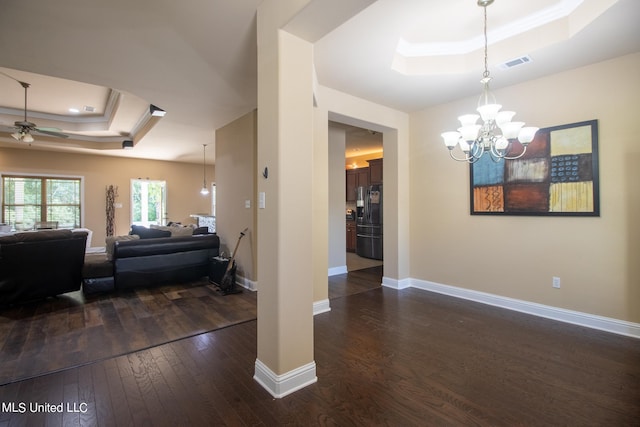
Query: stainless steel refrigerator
(369, 222)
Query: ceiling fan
(25, 127)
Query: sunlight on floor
(355, 262)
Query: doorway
(148, 202)
(356, 155)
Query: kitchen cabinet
(352, 184)
(351, 236)
(356, 178)
(375, 171)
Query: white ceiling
(196, 59)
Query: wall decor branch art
(112, 193)
(558, 176)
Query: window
(148, 202)
(30, 199)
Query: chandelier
(497, 133)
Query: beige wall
(320, 208)
(184, 181)
(236, 145)
(596, 258)
(337, 197)
(285, 234)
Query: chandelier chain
(486, 49)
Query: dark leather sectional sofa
(39, 264)
(151, 261)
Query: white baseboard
(334, 271)
(246, 283)
(395, 283)
(282, 385)
(568, 316)
(321, 306)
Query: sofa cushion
(96, 265)
(149, 233)
(36, 236)
(201, 230)
(40, 264)
(111, 241)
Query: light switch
(261, 200)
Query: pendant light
(205, 190)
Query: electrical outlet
(556, 282)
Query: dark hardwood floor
(355, 282)
(384, 357)
(71, 329)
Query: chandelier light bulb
(527, 134)
(464, 145)
(468, 119)
(469, 133)
(489, 111)
(512, 129)
(504, 117)
(502, 143)
(451, 139)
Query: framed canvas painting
(557, 176)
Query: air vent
(89, 109)
(516, 62)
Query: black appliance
(369, 222)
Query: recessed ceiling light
(74, 110)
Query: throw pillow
(148, 233)
(180, 231)
(110, 242)
(176, 230)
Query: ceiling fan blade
(52, 132)
(7, 128)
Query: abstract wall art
(557, 176)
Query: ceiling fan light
(17, 136)
(27, 137)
